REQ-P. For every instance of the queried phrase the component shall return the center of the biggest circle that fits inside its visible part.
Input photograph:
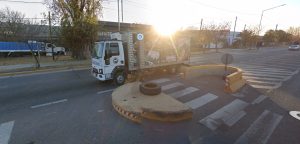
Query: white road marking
(295, 114)
(100, 111)
(265, 87)
(230, 121)
(161, 80)
(105, 91)
(264, 69)
(264, 75)
(5, 132)
(263, 78)
(261, 129)
(259, 99)
(183, 92)
(268, 73)
(170, 86)
(200, 101)
(49, 103)
(225, 114)
(262, 82)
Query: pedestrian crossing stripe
(161, 80)
(225, 114)
(200, 101)
(265, 124)
(184, 92)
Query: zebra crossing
(5, 131)
(266, 69)
(229, 114)
(268, 77)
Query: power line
(18, 1)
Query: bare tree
(15, 27)
(11, 24)
(216, 33)
(295, 31)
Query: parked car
(294, 47)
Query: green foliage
(277, 36)
(79, 23)
(249, 37)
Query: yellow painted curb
(135, 106)
(129, 115)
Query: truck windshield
(98, 50)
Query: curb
(42, 70)
(167, 117)
(131, 116)
(157, 116)
(135, 106)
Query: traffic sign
(140, 36)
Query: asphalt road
(73, 107)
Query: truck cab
(108, 61)
(56, 50)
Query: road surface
(73, 107)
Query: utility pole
(119, 15)
(122, 10)
(233, 36)
(50, 34)
(276, 27)
(200, 31)
(201, 23)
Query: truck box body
(154, 50)
(20, 47)
(132, 53)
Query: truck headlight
(100, 71)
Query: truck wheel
(149, 88)
(119, 78)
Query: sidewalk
(43, 66)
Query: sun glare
(165, 29)
(167, 16)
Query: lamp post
(262, 13)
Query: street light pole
(262, 14)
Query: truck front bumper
(100, 77)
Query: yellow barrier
(234, 81)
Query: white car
(294, 47)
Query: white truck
(56, 50)
(130, 53)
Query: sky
(171, 14)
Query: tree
(269, 36)
(295, 32)
(249, 37)
(277, 36)
(216, 33)
(79, 23)
(11, 24)
(15, 27)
